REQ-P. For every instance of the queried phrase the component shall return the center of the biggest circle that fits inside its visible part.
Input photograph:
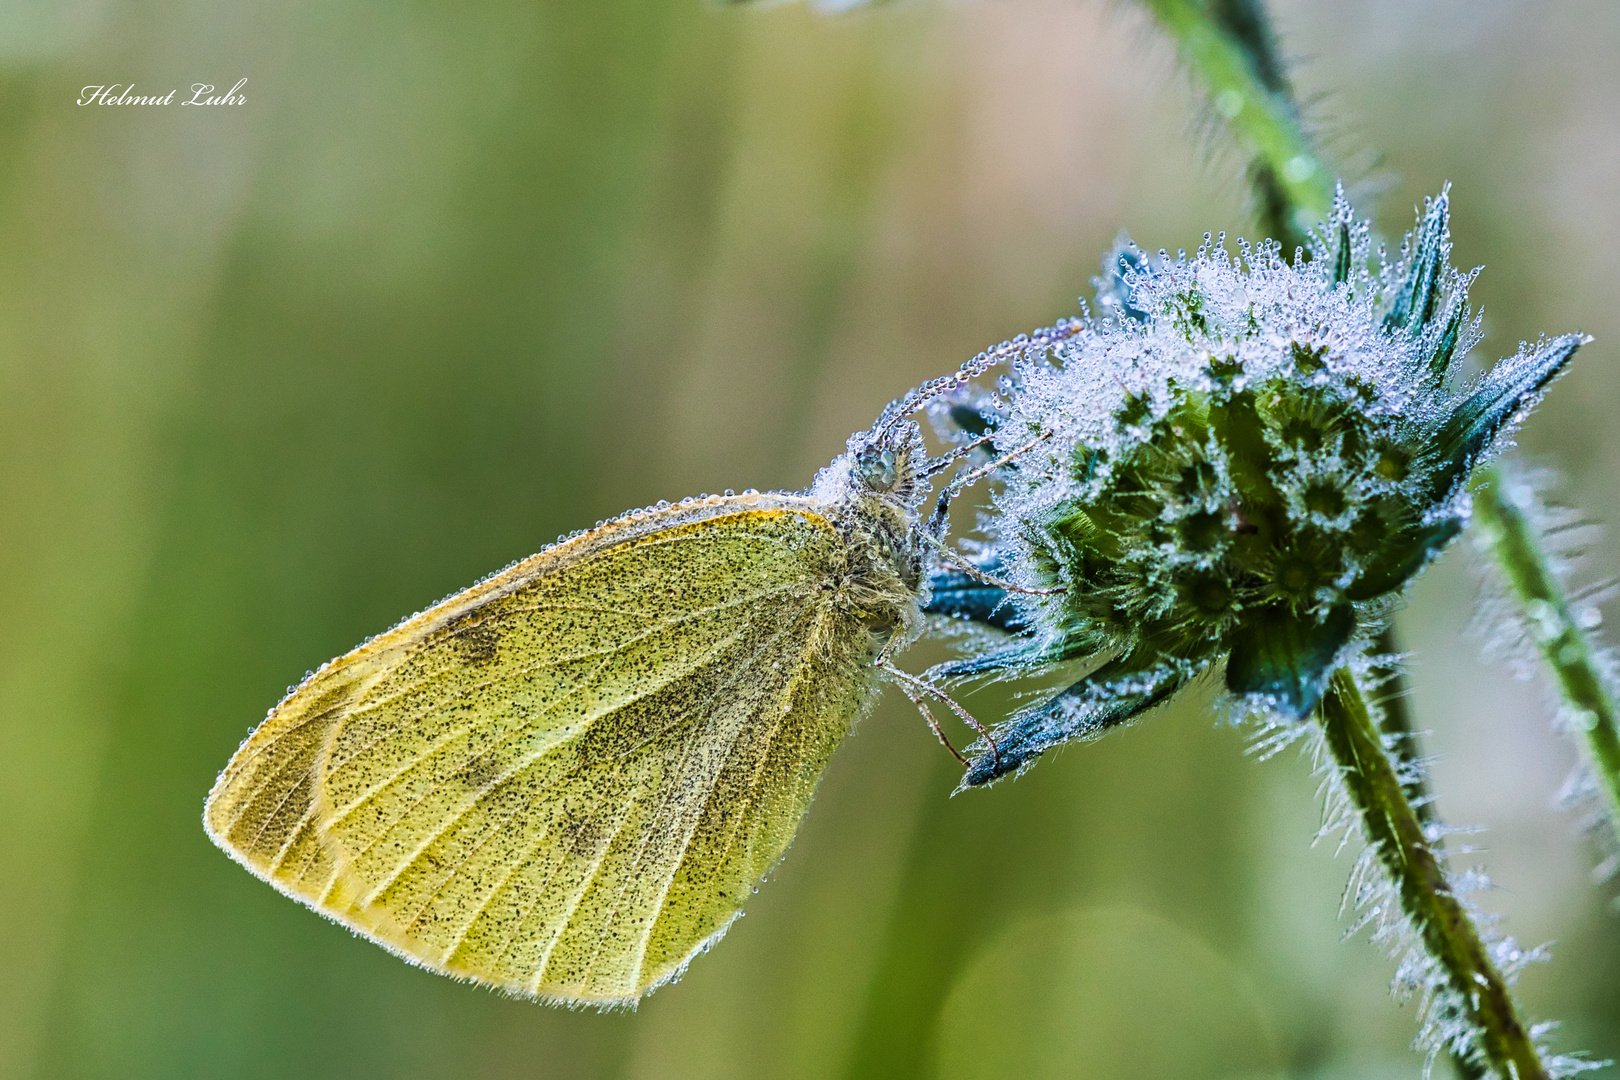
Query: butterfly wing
(565, 781)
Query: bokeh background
(459, 277)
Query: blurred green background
(458, 278)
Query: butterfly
(564, 781)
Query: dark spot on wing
(475, 642)
(480, 772)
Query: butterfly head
(882, 477)
(874, 491)
(890, 460)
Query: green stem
(1402, 737)
(1228, 44)
(1564, 645)
(1397, 724)
(1393, 827)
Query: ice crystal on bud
(1240, 458)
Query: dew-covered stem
(1589, 705)
(1228, 44)
(1403, 739)
(1397, 726)
(1391, 824)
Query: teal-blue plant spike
(957, 594)
(1117, 692)
(1426, 269)
(1510, 388)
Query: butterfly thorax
(872, 494)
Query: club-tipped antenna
(919, 396)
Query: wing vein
(292, 838)
(523, 762)
(579, 897)
(521, 860)
(258, 834)
(670, 790)
(753, 786)
(238, 767)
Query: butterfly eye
(879, 468)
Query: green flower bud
(1244, 459)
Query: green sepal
(1286, 657)
(1510, 387)
(1333, 243)
(1436, 365)
(1342, 250)
(1401, 561)
(1419, 294)
(1235, 421)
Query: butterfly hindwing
(565, 781)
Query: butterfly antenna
(914, 688)
(919, 396)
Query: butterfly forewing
(566, 780)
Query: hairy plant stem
(1513, 540)
(1402, 738)
(1397, 724)
(1393, 827)
(1230, 45)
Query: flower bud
(1243, 459)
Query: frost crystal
(1241, 458)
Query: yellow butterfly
(565, 780)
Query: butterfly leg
(933, 724)
(964, 480)
(913, 687)
(962, 563)
(945, 461)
